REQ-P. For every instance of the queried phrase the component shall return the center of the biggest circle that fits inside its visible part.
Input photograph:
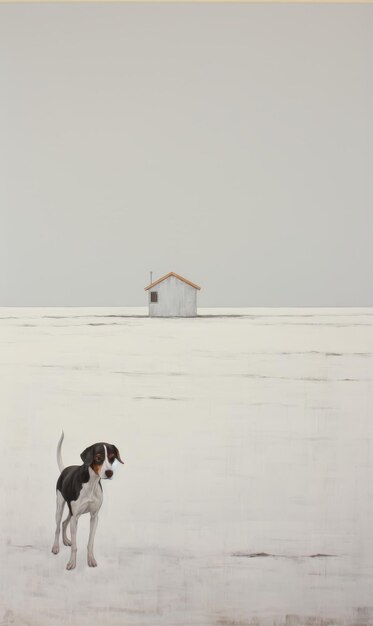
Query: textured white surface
(240, 435)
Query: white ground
(240, 435)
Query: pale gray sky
(229, 143)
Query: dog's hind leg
(73, 528)
(59, 511)
(65, 523)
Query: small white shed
(172, 296)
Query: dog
(80, 486)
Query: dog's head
(101, 457)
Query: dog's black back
(70, 482)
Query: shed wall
(175, 299)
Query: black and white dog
(80, 487)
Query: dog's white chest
(90, 499)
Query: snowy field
(246, 498)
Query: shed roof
(176, 276)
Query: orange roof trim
(167, 276)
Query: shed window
(154, 296)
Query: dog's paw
(55, 549)
(91, 561)
(71, 564)
(66, 541)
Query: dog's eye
(98, 459)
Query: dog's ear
(87, 455)
(117, 455)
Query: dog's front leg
(92, 531)
(73, 528)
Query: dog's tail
(59, 456)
